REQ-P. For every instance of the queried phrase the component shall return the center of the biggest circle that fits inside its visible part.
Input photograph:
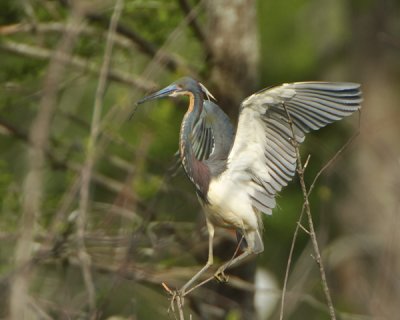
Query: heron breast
(230, 205)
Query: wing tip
(334, 85)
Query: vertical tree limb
(232, 33)
(233, 38)
(90, 158)
(33, 184)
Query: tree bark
(233, 37)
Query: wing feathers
(311, 105)
(306, 110)
(285, 145)
(266, 200)
(286, 165)
(202, 139)
(327, 105)
(335, 87)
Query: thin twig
(108, 134)
(75, 62)
(179, 304)
(60, 163)
(179, 300)
(146, 47)
(299, 225)
(56, 163)
(196, 27)
(303, 228)
(90, 158)
(332, 160)
(289, 263)
(59, 27)
(300, 172)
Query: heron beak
(171, 89)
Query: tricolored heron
(237, 176)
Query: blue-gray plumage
(237, 176)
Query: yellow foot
(220, 276)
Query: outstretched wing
(262, 159)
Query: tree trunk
(233, 38)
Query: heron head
(183, 86)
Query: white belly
(230, 205)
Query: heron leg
(210, 260)
(220, 275)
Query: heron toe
(220, 276)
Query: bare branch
(108, 134)
(56, 163)
(148, 48)
(33, 184)
(289, 263)
(195, 25)
(332, 160)
(299, 225)
(58, 27)
(164, 58)
(307, 209)
(75, 62)
(90, 158)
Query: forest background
(95, 213)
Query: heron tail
(252, 240)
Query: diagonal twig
(307, 209)
(164, 58)
(298, 226)
(144, 45)
(76, 62)
(196, 27)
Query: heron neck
(197, 171)
(192, 115)
(195, 106)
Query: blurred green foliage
(299, 39)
